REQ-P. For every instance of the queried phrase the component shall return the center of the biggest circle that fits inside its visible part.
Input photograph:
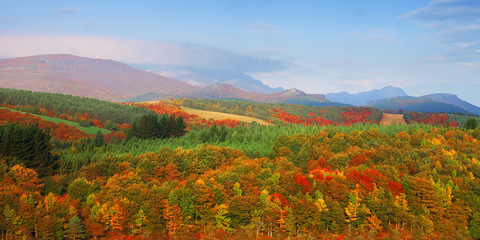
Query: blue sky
(315, 46)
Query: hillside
(416, 104)
(223, 116)
(227, 91)
(97, 78)
(362, 98)
(454, 100)
(323, 170)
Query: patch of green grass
(87, 130)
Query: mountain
(204, 77)
(227, 91)
(365, 97)
(97, 78)
(417, 104)
(290, 96)
(454, 100)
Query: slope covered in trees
(59, 104)
(298, 181)
(413, 183)
(289, 113)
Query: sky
(422, 46)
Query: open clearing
(88, 130)
(389, 118)
(222, 116)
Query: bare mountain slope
(97, 78)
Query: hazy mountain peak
(362, 98)
(203, 77)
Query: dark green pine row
(152, 126)
(28, 145)
(68, 104)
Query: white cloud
(468, 64)
(134, 51)
(458, 10)
(455, 25)
(466, 44)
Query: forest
(161, 173)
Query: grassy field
(87, 130)
(388, 119)
(221, 116)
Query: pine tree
(147, 127)
(99, 140)
(471, 124)
(179, 129)
(74, 229)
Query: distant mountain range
(227, 91)
(454, 100)
(362, 98)
(205, 77)
(115, 81)
(395, 98)
(416, 104)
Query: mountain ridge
(361, 98)
(454, 100)
(201, 77)
(98, 78)
(416, 104)
(116, 81)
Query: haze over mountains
(115, 81)
(395, 98)
(201, 77)
(365, 97)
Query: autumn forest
(81, 168)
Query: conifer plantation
(153, 171)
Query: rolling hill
(416, 104)
(227, 91)
(454, 100)
(97, 78)
(362, 98)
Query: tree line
(72, 105)
(27, 145)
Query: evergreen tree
(74, 229)
(147, 127)
(109, 125)
(29, 145)
(471, 124)
(163, 123)
(99, 140)
(179, 126)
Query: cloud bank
(135, 52)
(456, 23)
